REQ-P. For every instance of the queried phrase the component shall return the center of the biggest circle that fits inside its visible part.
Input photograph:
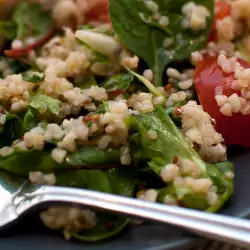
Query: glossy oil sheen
(31, 235)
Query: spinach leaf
(217, 172)
(29, 120)
(169, 139)
(118, 181)
(102, 109)
(91, 156)
(118, 82)
(86, 81)
(8, 29)
(145, 38)
(147, 83)
(32, 76)
(107, 226)
(85, 27)
(21, 162)
(31, 20)
(42, 103)
(12, 130)
(169, 144)
(17, 66)
(98, 57)
(90, 179)
(186, 196)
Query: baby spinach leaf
(118, 82)
(12, 130)
(107, 226)
(32, 76)
(143, 37)
(29, 120)
(186, 197)
(98, 57)
(42, 103)
(100, 110)
(86, 81)
(170, 143)
(90, 156)
(90, 179)
(21, 162)
(17, 66)
(147, 83)
(10, 182)
(217, 172)
(117, 181)
(31, 20)
(85, 27)
(8, 29)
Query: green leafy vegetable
(86, 81)
(107, 226)
(242, 52)
(8, 29)
(98, 57)
(118, 82)
(100, 110)
(30, 19)
(147, 83)
(29, 120)
(12, 130)
(21, 162)
(89, 124)
(91, 156)
(134, 26)
(117, 181)
(85, 27)
(89, 179)
(16, 66)
(42, 103)
(34, 77)
(169, 145)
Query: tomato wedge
(209, 75)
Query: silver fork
(215, 226)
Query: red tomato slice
(208, 75)
(222, 10)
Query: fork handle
(220, 227)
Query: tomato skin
(222, 10)
(208, 75)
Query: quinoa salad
(138, 98)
